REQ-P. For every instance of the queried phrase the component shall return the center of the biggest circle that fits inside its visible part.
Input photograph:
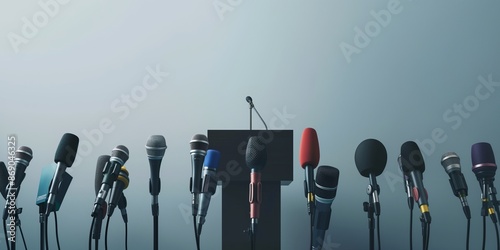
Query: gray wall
(414, 76)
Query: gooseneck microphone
(451, 164)
(370, 159)
(208, 186)
(252, 106)
(256, 159)
(327, 179)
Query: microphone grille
(119, 154)
(66, 151)
(370, 157)
(309, 148)
(23, 155)
(327, 179)
(199, 142)
(256, 153)
(450, 162)
(156, 146)
(411, 157)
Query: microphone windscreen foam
(411, 157)
(4, 181)
(483, 159)
(199, 142)
(99, 175)
(256, 153)
(327, 180)
(66, 151)
(212, 159)
(370, 157)
(309, 148)
(156, 146)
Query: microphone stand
(250, 108)
(42, 220)
(369, 208)
(492, 191)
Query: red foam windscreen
(309, 148)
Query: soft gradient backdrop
(79, 67)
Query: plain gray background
(417, 77)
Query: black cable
(378, 231)
(411, 229)
(311, 230)
(155, 232)
(484, 232)
(96, 244)
(22, 236)
(90, 233)
(106, 234)
(126, 236)
(57, 231)
(468, 235)
(498, 237)
(196, 235)
(5, 233)
(46, 225)
(428, 236)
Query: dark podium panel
(234, 176)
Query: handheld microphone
(199, 146)
(119, 185)
(22, 159)
(122, 205)
(64, 158)
(209, 184)
(413, 163)
(408, 184)
(370, 158)
(451, 164)
(309, 159)
(484, 167)
(327, 179)
(252, 106)
(99, 212)
(155, 149)
(256, 158)
(119, 155)
(4, 175)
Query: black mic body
(155, 149)
(23, 156)
(408, 185)
(451, 164)
(119, 185)
(199, 147)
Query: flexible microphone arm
(252, 106)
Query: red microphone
(309, 159)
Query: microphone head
(483, 160)
(155, 147)
(370, 157)
(249, 99)
(99, 175)
(119, 154)
(256, 154)
(411, 157)
(451, 162)
(327, 179)
(309, 149)
(123, 177)
(23, 155)
(199, 143)
(4, 175)
(212, 159)
(66, 151)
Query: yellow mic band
(424, 208)
(310, 197)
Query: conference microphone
(119, 185)
(4, 175)
(413, 163)
(327, 179)
(370, 158)
(22, 158)
(111, 171)
(64, 158)
(155, 149)
(209, 184)
(451, 164)
(309, 159)
(199, 146)
(408, 184)
(252, 106)
(256, 158)
(484, 167)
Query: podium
(234, 177)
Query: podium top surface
(232, 146)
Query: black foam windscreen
(327, 180)
(99, 175)
(156, 146)
(66, 151)
(370, 157)
(482, 153)
(199, 142)
(411, 157)
(256, 153)
(119, 154)
(4, 181)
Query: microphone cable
(90, 233)
(22, 235)
(378, 232)
(311, 230)
(155, 232)
(5, 234)
(468, 234)
(126, 236)
(106, 233)
(411, 228)
(196, 235)
(57, 231)
(498, 237)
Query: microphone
(4, 175)
(64, 158)
(99, 212)
(199, 146)
(413, 162)
(119, 155)
(451, 164)
(256, 158)
(122, 205)
(155, 149)
(370, 158)
(44, 185)
(408, 184)
(309, 159)
(484, 167)
(102, 161)
(119, 185)
(327, 179)
(209, 184)
(252, 106)
(22, 159)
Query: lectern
(234, 177)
